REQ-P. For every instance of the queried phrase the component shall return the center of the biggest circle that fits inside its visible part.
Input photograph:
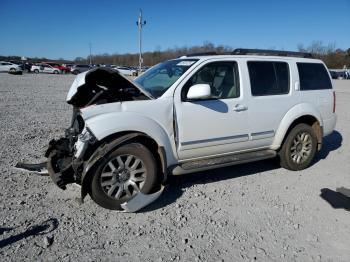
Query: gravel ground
(249, 212)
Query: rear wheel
(299, 148)
(122, 175)
(12, 70)
(56, 72)
(36, 71)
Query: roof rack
(201, 54)
(243, 51)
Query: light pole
(140, 23)
(90, 54)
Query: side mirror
(199, 91)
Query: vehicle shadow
(330, 143)
(177, 184)
(339, 199)
(36, 230)
(5, 229)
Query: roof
(254, 53)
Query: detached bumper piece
(59, 163)
(140, 201)
(40, 168)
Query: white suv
(193, 113)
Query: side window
(313, 76)
(268, 78)
(222, 77)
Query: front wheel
(36, 71)
(299, 148)
(56, 72)
(122, 175)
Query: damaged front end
(71, 157)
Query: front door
(213, 126)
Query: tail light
(334, 100)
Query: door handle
(239, 108)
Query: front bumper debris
(40, 168)
(140, 201)
(59, 163)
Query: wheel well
(311, 121)
(148, 142)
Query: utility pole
(140, 23)
(90, 54)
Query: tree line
(332, 56)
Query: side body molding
(294, 113)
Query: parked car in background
(62, 68)
(127, 71)
(334, 74)
(44, 68)
(10, 67)
(77, 69)
(69, 66)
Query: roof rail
(243, 51)
(201, 54)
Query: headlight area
(85, 139)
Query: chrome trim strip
(214, 140)
(223, 154)
(263, 134)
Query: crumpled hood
(103, 85)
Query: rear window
(313, 76)
(268, 78)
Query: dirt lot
(249, 212)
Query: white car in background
(9, 67)
(44, 68)
(125, 70)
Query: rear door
(217, 125)
(271, 97)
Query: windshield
(159, 78)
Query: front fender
(108, 124)
(294, 113)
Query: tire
(36, 71)
(12, 70)
(106, 186)
(56, 72)
(299, 148)
(75, 72)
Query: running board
(222, 161)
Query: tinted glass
(268, 78)
(313, 76)
(222, 77)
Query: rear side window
(268, 78)
(313, 76)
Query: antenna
(140, 23)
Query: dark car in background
(334, 74)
